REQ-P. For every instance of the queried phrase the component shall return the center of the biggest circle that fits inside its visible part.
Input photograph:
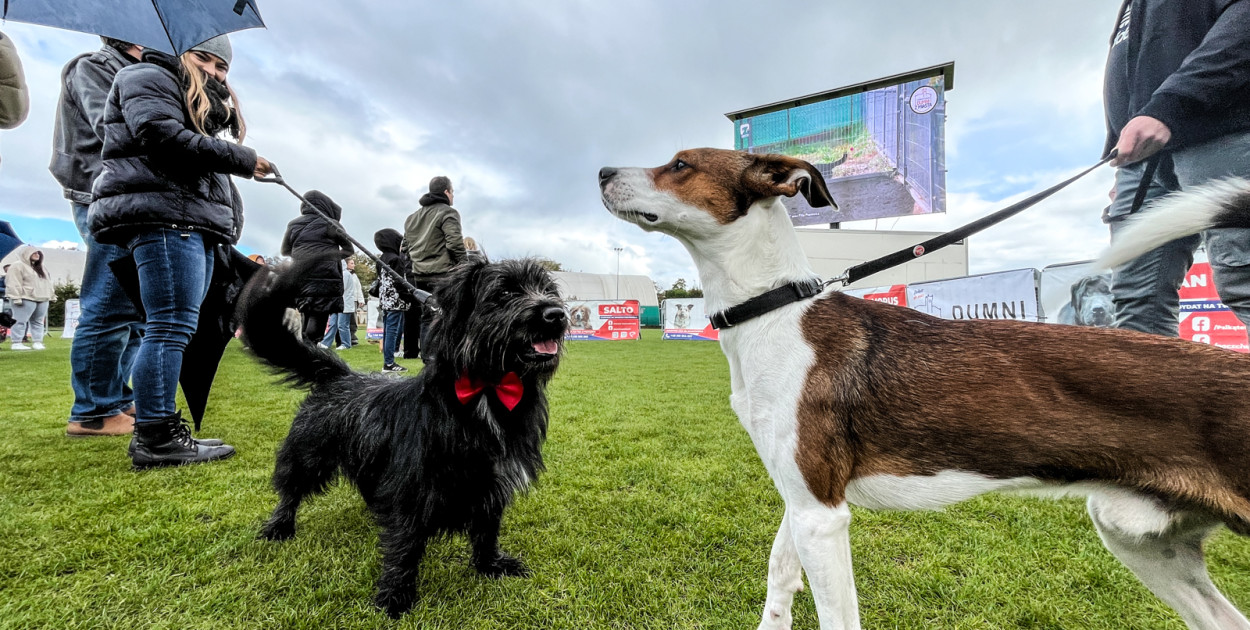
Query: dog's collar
(766, 302)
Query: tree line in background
(678, 290)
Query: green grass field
(654, 513)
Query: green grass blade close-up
(654, 512)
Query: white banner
(1004, 295)
(686, 319)
(72, 312)
(373, 319)
(1072, 293)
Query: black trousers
(417, 325)
(412, 332)
(314, 326)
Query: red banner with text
(1204, 318)
(603, 320)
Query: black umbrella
(231, 271)
(170, 26)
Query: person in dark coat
(311, 237)
(435, 245)
(165, 193)
(108, 335)
(393, 298)
(1177, 104)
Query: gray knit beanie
(219, 46)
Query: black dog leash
(797, 291)
(421, 296)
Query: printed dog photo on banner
(686, 319)
(1076, 294)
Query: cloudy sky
(521, 103)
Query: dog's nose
(606, 173)
(554, 315)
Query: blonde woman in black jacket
(165, 193)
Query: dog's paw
(277, 530)
(776, 618)
(503, 565)
(395, 602)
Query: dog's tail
(262, 313)
(1219, 204)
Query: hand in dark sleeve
(157, 119)
(1213, 75)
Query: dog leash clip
(844, 279)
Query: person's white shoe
(20, 346)
(37, 345)
(344, 348)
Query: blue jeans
(175, 268)
(392, 327)
(342, 323)
(108, 334)
(1144, 290)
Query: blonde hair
(197, 101)
(470, 244)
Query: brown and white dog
(851, 401)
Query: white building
(606, 286)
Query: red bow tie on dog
(509, 389)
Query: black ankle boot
(168, 442)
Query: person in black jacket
(1177, 92)
(311, 237)
(107, 338)
(393, 298)
(165, 194)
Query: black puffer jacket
(158, 171)
(312, 237)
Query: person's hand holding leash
(263, 168)
(1141, 138)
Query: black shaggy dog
(440, 453)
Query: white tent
(604, 286)
(65, 266)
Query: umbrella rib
(165, 25)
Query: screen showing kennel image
(880, 145)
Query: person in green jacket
(14, 97)
(435, 245)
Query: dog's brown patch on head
(725, 183)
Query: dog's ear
(455, 293)
(773, 175)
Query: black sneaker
(394, 367)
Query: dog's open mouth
(543, 351)
(635, 215)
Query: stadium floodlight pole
(618, 270)
(276, 178)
